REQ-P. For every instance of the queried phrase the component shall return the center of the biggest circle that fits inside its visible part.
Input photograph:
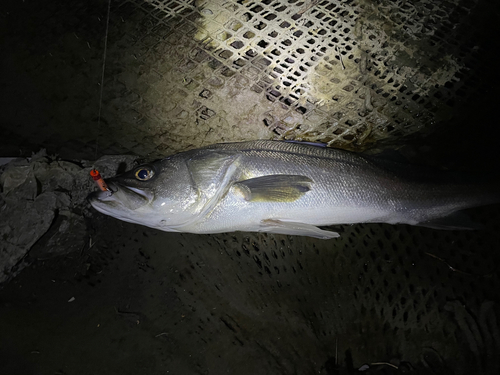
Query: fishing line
(102, 79)
(94, 173)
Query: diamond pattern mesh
(183, 74)
(378, 293)
(342, 72)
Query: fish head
(159, 195)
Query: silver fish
(287, 188)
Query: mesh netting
(289, 304)
(183, 74)
(342, 72)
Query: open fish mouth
(137, 192)
(119, 196)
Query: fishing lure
(101, 184)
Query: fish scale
(287, 188)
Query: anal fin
(296, 229)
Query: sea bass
(287, 188)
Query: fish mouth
(119, 197)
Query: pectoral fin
(297, 229)
(273, 188)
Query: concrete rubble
(42, 203)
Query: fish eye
(144, 173)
